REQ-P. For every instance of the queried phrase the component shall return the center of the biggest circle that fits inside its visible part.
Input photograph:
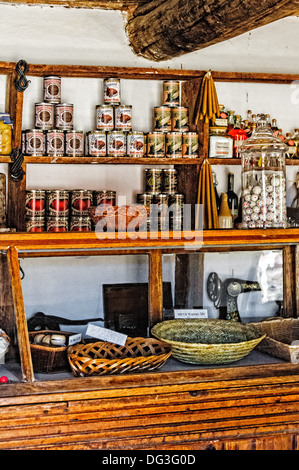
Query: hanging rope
(16, 170)
(22, 82)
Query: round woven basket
(102, 357)
(207, 341)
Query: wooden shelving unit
(245, 406)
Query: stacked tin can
(114, 135)
(171, 137)
(53, 134)
(35, 210)
(161, 196)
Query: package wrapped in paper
(4, 343)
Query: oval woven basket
(207, 341)
(102, 357)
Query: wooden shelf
(112, 160)
(26, 242)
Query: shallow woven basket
(280, 333)
(102, 357)
(119, 218)
(207, 341)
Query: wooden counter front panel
(169, 417)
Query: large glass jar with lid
(263, 179)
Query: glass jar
(5, 134)
(263, 179)
(220, 143)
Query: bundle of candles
(206, 199)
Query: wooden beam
(89, 4)
(163, 29)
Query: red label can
(81, 201)
(80, 224)
(35, 224)
(57, 224)
(105, 197)
(58, 203)
(35, 203)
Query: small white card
(190, 313)
(106, 335)
(74, 339)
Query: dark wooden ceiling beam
(163, 29)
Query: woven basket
(102, 357)
(207, 341)
(48, 358)
(5, 342)
(119, 218)
(280, 333)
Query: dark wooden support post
(290, 255)
(7, 318)
(21, 323)
(16, 190)
(155, 288)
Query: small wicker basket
(280, 333)
(100, 358)
(46, 358)
(119, 218)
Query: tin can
(155, 144)
(176, 202)
(179, 119)
(159, 212)
(105, 117)
(190, 145)
(57, 224)
(170, 181)
(175, 223)
(23, 142)
(80, 224)
(58, 203)
(135, 144)
(64, 116)
(111, 91)
(55, 142)
(116, 144)
(162, 118)
(173, 145)
(35, 224)
(74, 143)
(95, 143)
(123, 117)
(81, 201)
(52, 89)
(35, 205)
(44, 115)
(145, 199)
(171, 93)
(105, 197)
(153, 180)
(35, 142)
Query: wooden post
(22, 331)
(289, 281)
(155, 288)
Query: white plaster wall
(97, 37)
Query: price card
(74, 339)
(193, 313)
(105, 334)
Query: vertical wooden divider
(21, 323)
(16, 190)
(289, 281)
(155, 288)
